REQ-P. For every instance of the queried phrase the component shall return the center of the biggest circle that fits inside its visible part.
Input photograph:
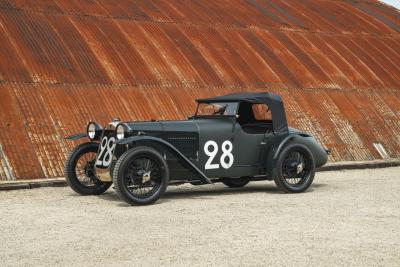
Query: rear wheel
(141, 176)
(295, 168)
(236, 182)
(80, 171)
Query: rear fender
(319, 153)
(169, 147)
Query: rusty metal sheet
(63, 63)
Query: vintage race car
(233, 139)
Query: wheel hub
(300, 168)
(146, 176)
(89, 170)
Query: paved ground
(347, 218)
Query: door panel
(225, 150)
(248, 148)
(214, 159)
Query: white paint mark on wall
(381, 150)
(5, 166)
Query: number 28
(211, 150)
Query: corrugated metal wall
(64, 62)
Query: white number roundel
(106, 152)
(211, 150)
(109, 153)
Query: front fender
(169, 147)
(319, 153)
(76, 136)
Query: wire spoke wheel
(296, 168)
(85, 170)
(80, 171)
(143, 176)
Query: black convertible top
(265, 97)
(273, 101)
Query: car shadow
(199, 192)
(206, 192)
(317, 186)
(110, 195)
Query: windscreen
(216, 109)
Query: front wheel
(141, 176)
(80, 171)
(295, 169)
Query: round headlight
(120, 132)
(91, 130)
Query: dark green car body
(254, 154)
(203, 148)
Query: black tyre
(295, 169)
(80, 170)
(235, 182)
(141, 176)
(112, 165)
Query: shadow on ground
(202, 192)
(210, 191)
(207, 192)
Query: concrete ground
(346, 218)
